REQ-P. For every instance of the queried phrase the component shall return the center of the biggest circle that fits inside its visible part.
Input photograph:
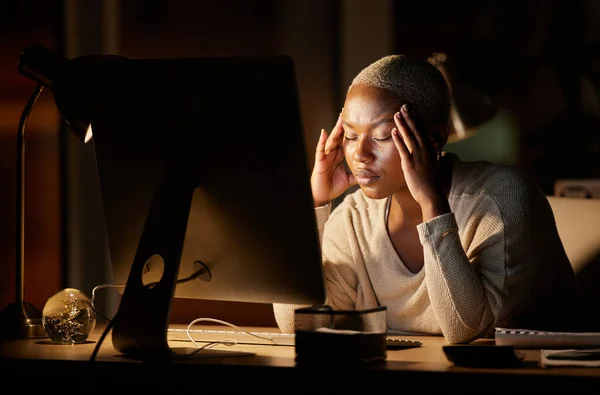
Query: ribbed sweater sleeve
(456, 290)
(503, 262)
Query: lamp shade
(471, 106)
(71, 81)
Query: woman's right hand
(329, 177)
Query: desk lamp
(49, 70)
(471, 107)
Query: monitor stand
(141, 322)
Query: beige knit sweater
(495, 260)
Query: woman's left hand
(420, 165)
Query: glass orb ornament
(68, 317)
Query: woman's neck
(403, 211)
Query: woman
(451, 248)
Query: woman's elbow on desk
(285, 316)
(462, 335)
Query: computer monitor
(205, 188)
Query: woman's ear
(440, 135)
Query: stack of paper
(557, 348)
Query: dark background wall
(536, 59)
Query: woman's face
(368, 120)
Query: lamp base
(21, 321)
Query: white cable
(100, 287)
(227, 342)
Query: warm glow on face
(88, 134)
(368, 120)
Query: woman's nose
(363, 152)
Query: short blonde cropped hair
(417, 82)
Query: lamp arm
(20, 251)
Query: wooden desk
(38, 363)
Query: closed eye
(350, 137)
(382, 138)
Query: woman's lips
(364, 177)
